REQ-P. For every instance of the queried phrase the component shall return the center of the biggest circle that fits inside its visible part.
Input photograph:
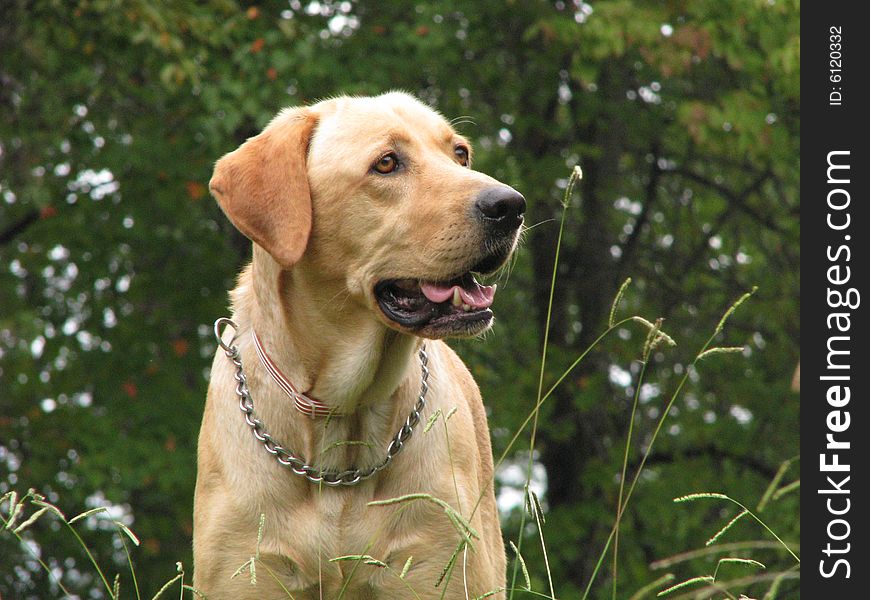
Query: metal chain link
(294, 462)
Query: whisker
(462, 120)
(527, 228)
(344, 294)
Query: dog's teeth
(466, 308)
(457, 299)
(494, 287)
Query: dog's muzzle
(459, 305)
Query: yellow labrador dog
(368, 225)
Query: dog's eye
(461, 153)
(387, 164)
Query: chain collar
(293, 461)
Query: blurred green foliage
(114, 262)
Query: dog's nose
(501, 207)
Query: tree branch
(712, 452)
(650, 196)
(735, 202)
(29, 218)
(737, 199)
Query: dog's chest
(336, 540)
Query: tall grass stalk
(642, 592)
(368, 560)
(8, 522)
(715, 589)
(712, 547)
(682, 557)
(467, 534)
(129, 557)
(619, 505)
(576, 175)
(773, 488)
(654, 337)
(251, 564)
(503, 456)
(16, 509)
(538, 512)
(711, 580)
(89, 555)
(657, 431)
(718, 496)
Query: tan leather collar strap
(308, 406)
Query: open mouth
(436, 308)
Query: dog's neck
(328, 345)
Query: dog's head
(376, 197)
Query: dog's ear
(262, 186)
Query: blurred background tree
(114, 261)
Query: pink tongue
(479, 296)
